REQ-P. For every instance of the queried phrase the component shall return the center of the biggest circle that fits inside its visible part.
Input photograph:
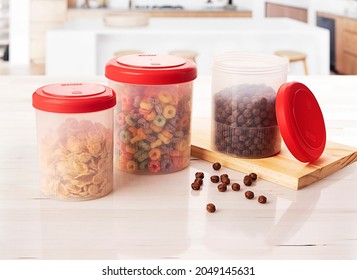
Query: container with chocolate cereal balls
(244, 92)
(153, 113)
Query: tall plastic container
(244, 87)
(75, 140)
(153, 113)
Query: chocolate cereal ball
(216, 166)
(235, 187)
(222, 187)
(199, 175)
(247, 180)
(211, 208)
(214, 178)
(262, 199)
(249, 194)
(254, 176)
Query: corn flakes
(78, 159)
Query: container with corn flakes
(153, 112)
(75, 140)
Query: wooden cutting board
(283, 168)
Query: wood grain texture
(198, 13)
(98, 13)
(278, 10)
(283, 168)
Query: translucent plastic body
(152, 127)
(76, 154)
(244, 90)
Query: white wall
(19, 37)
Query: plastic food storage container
(75, 140)
(153, 113)
(253, 107)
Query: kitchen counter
(160, 217)
(345, 8)
(349, 14)
(84, 46)
(208, 12)
(352, 15)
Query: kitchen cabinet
(345, 43)
(278, 10)
(45, 15)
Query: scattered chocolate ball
(216, 166)
(222, 187)
(223, 176)
(226, 181)
(199, 175)
(249, 194)
(198, 181)
(247, 180)
(254, 176)
(214, 179)
(235, 187)
(262, 199)
(211, 208)
(195, 186)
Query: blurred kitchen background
(34, 33)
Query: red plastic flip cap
(300, 121)
(73, 98)
(150, 69)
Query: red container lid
(300, 121)
(150, 69)
(73, 98)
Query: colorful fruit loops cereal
(78, 159)
(153, 128)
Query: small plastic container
(253, 108)
(244, 90)
(153, 113)
(75, 140)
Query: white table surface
(160, 217)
